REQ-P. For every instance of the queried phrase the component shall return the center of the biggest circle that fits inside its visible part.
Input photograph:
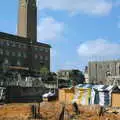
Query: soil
(52, 111)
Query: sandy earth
(51, 111)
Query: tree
(44, 72)
(77, 77)
(52, 76)
(3, 72)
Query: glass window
(36, 48)
(36, 56)
(7, 43)
(46, 57)
(46, 50)
(18, 62)
(1, 42)
(6, 61)
(19, 54)
(19, 45)
(67, 73)
(63, 73)
(24, 46)
(7, 52)
(13, 53)
(100, 66)
(24, 55)
(41, 49)
(108, 66)
(41, 57)
(1, 51)
(13, 44)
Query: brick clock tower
(27, 19)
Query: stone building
(22, 51)
(99, 71)
(73, 75)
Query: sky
(78, 30)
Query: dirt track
(52, 110)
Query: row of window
(20, 45)
(19, 54)
(41, 49)
(64, 74)
(13, 44)
(18, 62)
(41, 57)
(6, 61)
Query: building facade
(18, 51)
(23, 50)
(73, 75)
(99, 71)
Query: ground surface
(51, 111)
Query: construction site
(26, 93)
(75, 103)
(56, 111)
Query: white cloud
(95, 7)
(49, 29)
(99, 48)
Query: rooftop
(16, 38)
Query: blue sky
(78, 30)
